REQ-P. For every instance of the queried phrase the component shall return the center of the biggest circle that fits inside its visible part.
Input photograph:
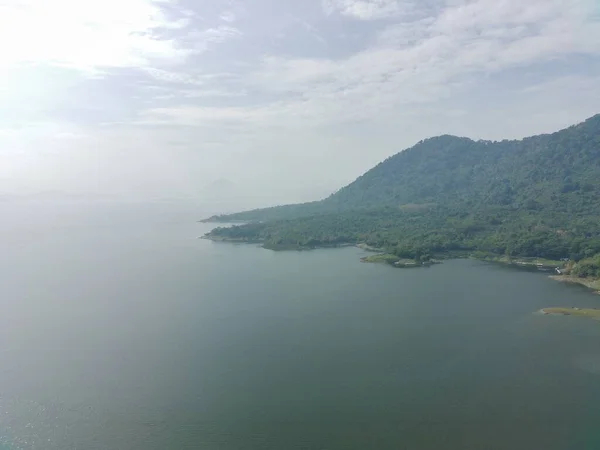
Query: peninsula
(535, 199)
(578, 312)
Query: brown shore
(590, 283)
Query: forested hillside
(539, 196)
(559, 170)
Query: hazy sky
(287, 99)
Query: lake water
(119, 329)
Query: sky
(273, 101)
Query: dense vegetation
(537, 197)
(588, 267)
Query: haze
(272, 101)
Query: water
(120, 330)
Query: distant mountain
(561, 170)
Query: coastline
(541, 264)
(382, 258)
(590, 283)
(532, 263)
(231, 240)
(274, 247)
(378, 258)
(215, 219)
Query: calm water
(120, 330)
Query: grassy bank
(382, 258)
(580, 312)
(393, 260)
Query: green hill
(538, 196)
(561, 170)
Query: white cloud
(408, 70)
(366, 9)
(267, 109)
(189, 77)
(426, 60)
(197, 115)
(168, 76)
(221, 34)
(87, 35)
(228, 16)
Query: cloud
(195, 116)
(440, 73)
(221, 34)
(311, 30)
(167, 76)
(85, 35)
(95, 35)
(367, 9)
(284, 87)
(228, 16)
(409, 64)
(430, 58)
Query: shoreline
(528, 263)
(230, 240)
(520, 263)
(215, 220)
(589, 283)
(275, 248)
(592, 284)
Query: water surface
(120, 330)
